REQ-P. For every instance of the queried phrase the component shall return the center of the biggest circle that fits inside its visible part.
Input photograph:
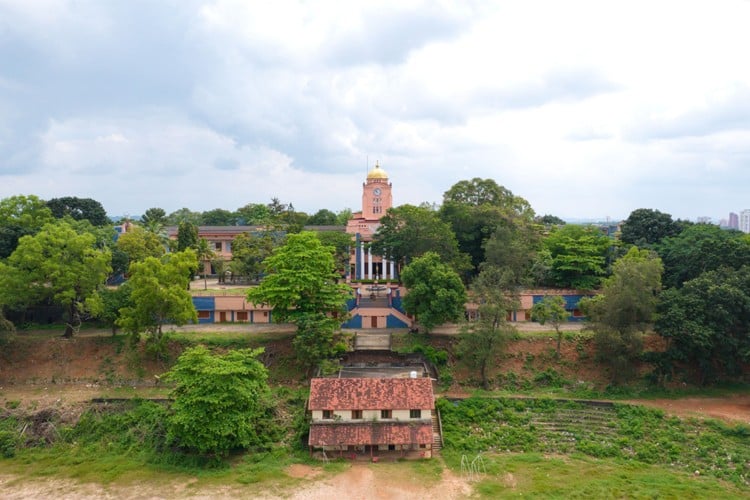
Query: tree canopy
(79, 209)
(221, 402)
(20, 216)
(578, 256)
(646, 227)
(435, 294)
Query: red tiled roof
(337, 434)
(371, 393)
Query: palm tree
(205, 253)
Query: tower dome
(377, 173)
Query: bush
(8, 443)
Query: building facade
(368, 415)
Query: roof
(377, 173)
(371, 393)
(372, 433)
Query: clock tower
(376, 194)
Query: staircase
(437, 440)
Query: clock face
(376, 191)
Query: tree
(316, 340)
(254, 214)
(106, 304)
(205, 253)
(706, 323)
(187, 236)
(625, 309)
(221, 402)
(322, 217)
(7, 330)
(475, 208)
(407, 232)
(646, 227)
(341, 242)
(514, 247)
(578, 256)
(483, 340)
(159, 294)
(184, 215)
(218, 217)
(20, 216)
(551, 309)
(549, 220)
(56, 264)
(154, 219)
(137, 244)
(249, 251)
(343, 217)
(435, 294)
(301, 279)
(79, 209)
(700, 248)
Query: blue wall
(355, 322)
(393, 322)
(205, 304)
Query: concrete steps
(437, 441)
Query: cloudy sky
(586, 109)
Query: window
(228, 246)
(386, 414)
(328, 414)
(217, 245)
(415, 413)
(242, 316)
(356, 414)
(204, 314)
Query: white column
(393, 269)
(385, 269)
(369, 262)
(361, 261)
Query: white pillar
(361, 261)
(369, 261)
(393, 269)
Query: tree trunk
(559, 340)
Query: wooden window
(217, 245)
(415, 413)
(242, 316)
(328, 414)
(356, 414)
(204, 314)
(386, 414)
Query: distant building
(744, 224)
(734, 221)
(704, 220)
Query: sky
(585, 109)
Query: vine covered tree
(435, 294)
(56, 264)
(221, 402)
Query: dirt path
(732, 408)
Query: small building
(370, 415)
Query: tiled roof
(371, 393)
(336, 434)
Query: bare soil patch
(731, 409)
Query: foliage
(625, 309)
(20, 216)
(154, 219)
(436, 294)
(645, 227)
(513, 246)
(218, 217)
(483, 339)
(204, 253)
(551, 309)
(341, 242)
(221, 402)
(408, 232)
(699, 248)
(187, 236)
(249, 251)
(549, 220)
(184, 215)
(137, 244)
(254, 214)
(79, 209)
(476, 208)
(578, 256)
(106, 303)
(323, 217)
(56, 264)
(301, 280)
(316, 339)
(707, 322)
(159, 295)
(7, 330)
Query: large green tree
(706, 323)
(322, 217)
(301, 279)
(483, 340)
(137, 244)
(79, 209)
(221, 401)
(625, 309)
(154, 219)
(700, 248)
(341, 242)
(56, 264)
(578, 256)
(646, 227)
(475, 208)
(205, 253)
(159, 295)
(187, 236)
(435, 294)
(254, 214)
(407, 232)
(218, 217)
(249, 251)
